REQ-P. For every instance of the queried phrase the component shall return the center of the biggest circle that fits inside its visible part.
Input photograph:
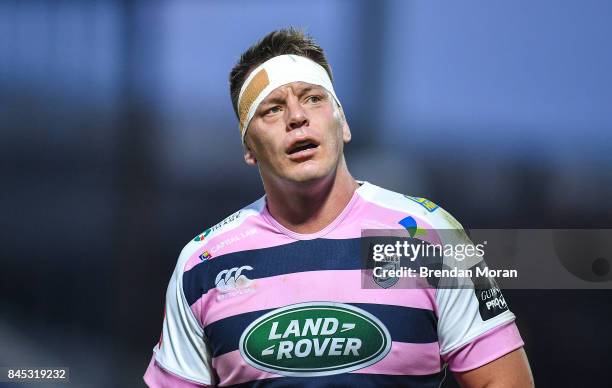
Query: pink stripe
(262, 231)
(196, 309)
(408, 359)
(486, 348)
(403, 359)
(334, 286)
(368, 215)
(254, 233)
(156, 377)
(232, 369)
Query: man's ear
(346, 131)
(249, 156)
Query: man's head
(281, 42)
(292, 123)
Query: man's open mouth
(301, 146)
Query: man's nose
(297, 114)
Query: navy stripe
(405, 324)
(300, 256)
(349, 380)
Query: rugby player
(272, 295)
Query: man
(273, 295)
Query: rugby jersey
(251, 303)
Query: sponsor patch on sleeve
(491, 302)
(427, 204)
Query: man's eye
(314, 99)
(274, 109)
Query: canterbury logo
(230, 279)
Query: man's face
(297, 134)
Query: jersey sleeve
(475, 325)
(181, 357)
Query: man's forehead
(296, 87)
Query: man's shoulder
(230, 222)
(227, 224)
(418, 206)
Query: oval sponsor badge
(315, 339)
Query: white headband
(275, 72)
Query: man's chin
(307, 172)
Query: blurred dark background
(118, 144)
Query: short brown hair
(285, 41)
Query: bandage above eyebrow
(275, 72)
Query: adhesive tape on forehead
(275, 72)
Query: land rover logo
(315, 339)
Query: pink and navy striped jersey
(251, 303)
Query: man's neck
(309, 208)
